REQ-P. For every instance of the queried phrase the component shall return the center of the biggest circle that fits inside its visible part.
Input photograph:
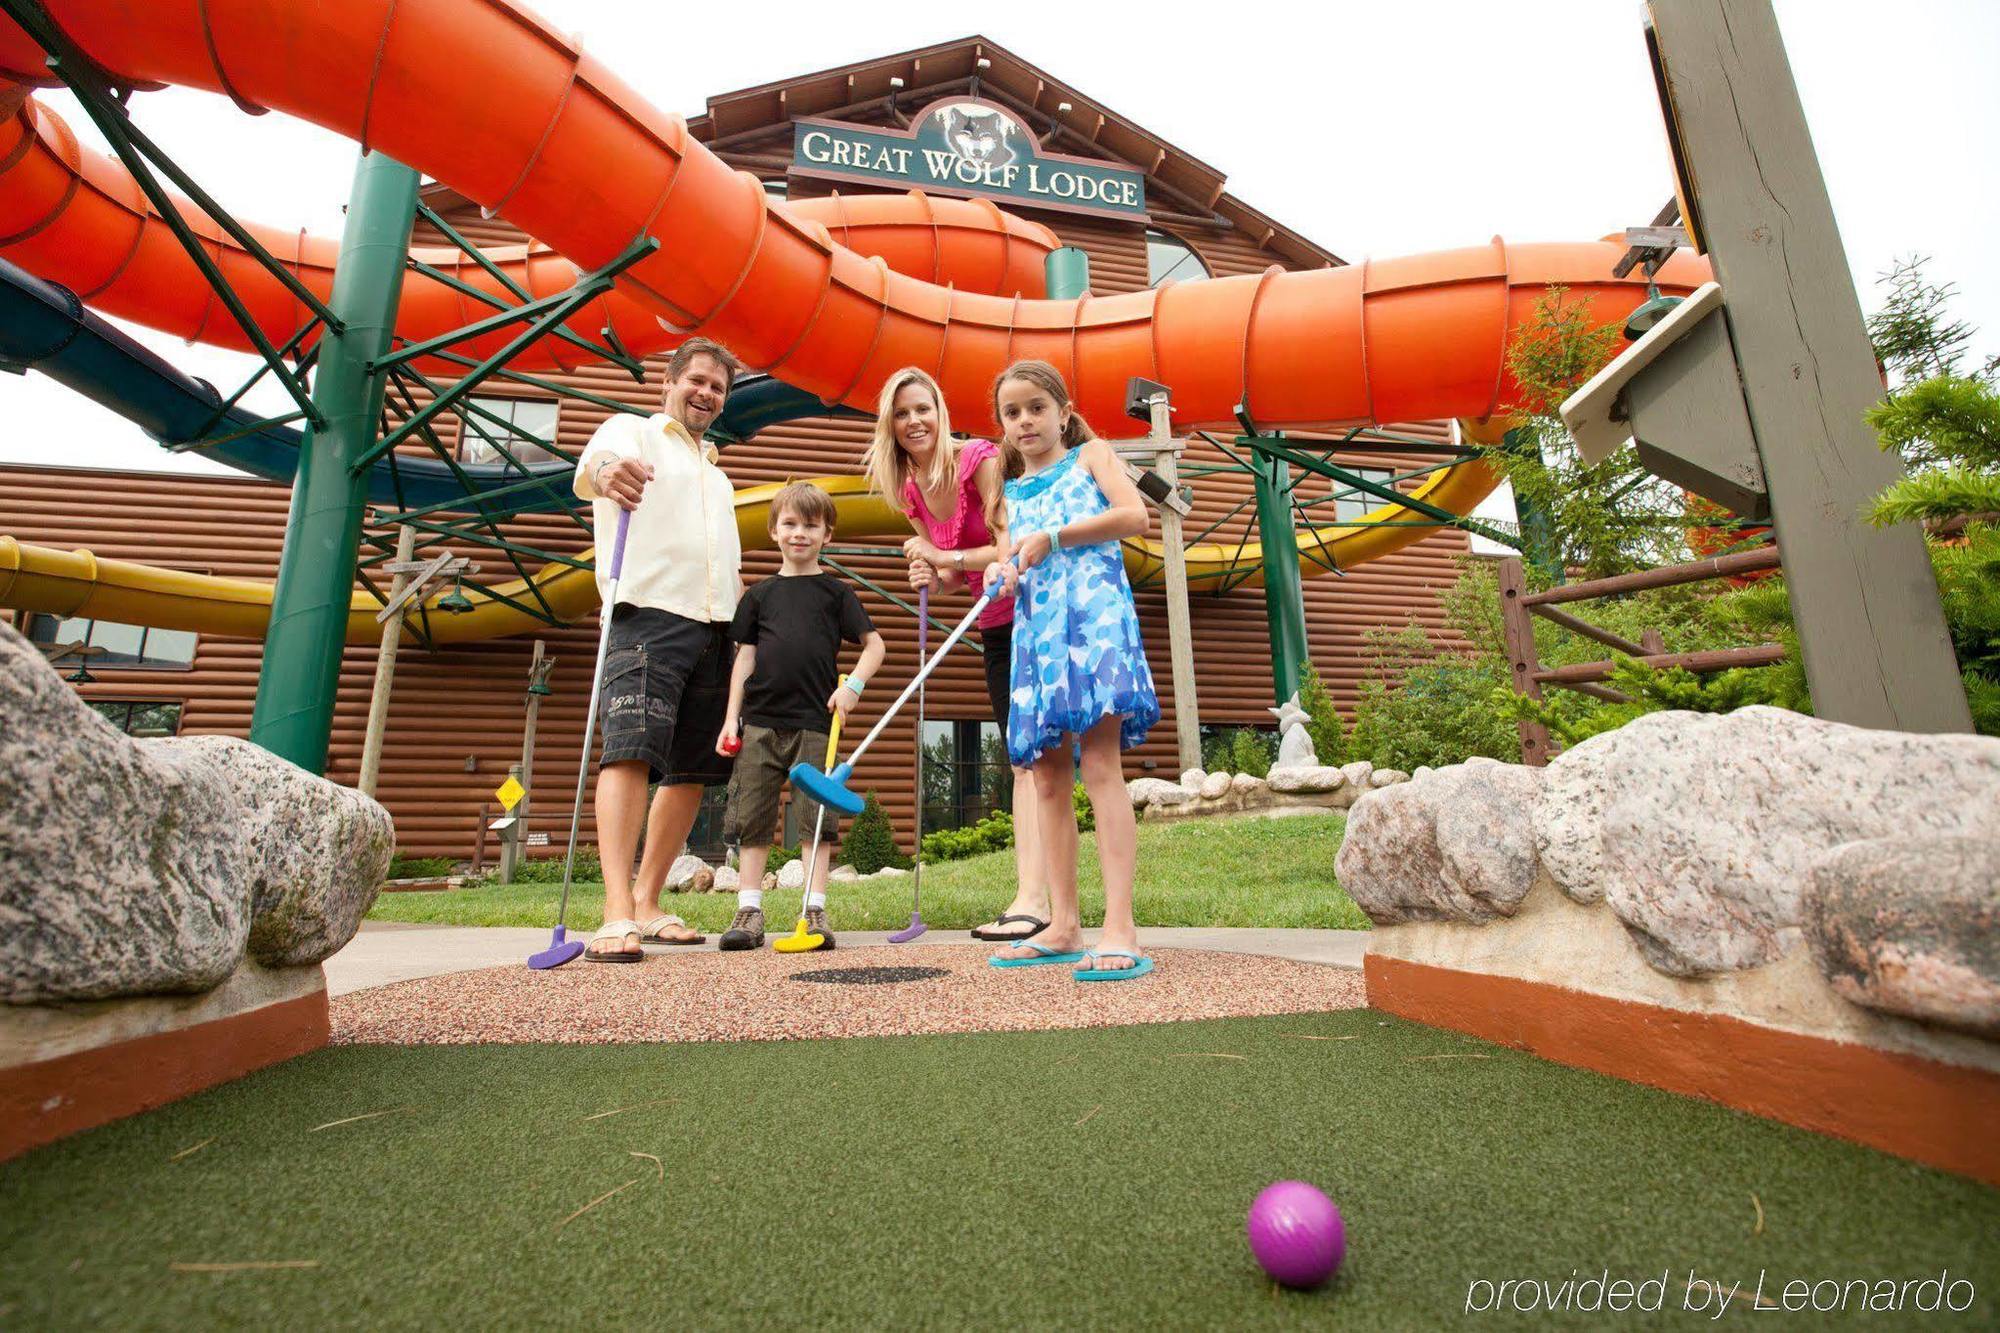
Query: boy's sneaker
(816, 925)
(746, 931)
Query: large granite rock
(1215, 786)
(140, 867)
(1454, 845)
(1315, 778)
(1911, 926)
(1699, 830)
(1156, 791)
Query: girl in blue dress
(1079, 670)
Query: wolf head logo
(979, 134)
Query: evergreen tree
(871, 842)
(1329, 735)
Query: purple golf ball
(1296, 1233)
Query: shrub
(419, 867)
(549, 869)
(871, 842)
(1251, 752)
(995, 833)
(1323, 724)
(1086, 818)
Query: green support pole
(1068, 271)
(1284, 598)
(1538, 534)
(302, 648)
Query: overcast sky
(1373, 129)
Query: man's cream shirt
(681, 552)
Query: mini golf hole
(868, 976)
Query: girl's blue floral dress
(1077, 654)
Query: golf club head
(829, 789)
(909, 932)
(800, 940)
(561, 950)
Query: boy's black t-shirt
(797, 623)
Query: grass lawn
(1092, 1178)
(1201, 872)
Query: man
(666, 668)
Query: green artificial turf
(1206, 872)
(1092, 1178)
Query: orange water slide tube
(77, 217)
(488, 98)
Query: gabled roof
(1179, 185)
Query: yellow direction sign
(510, 793)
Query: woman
(951, 493)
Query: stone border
(64, 1069)
(1926, 1110)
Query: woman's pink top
(966, 528)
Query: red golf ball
(1296, 1233)
(733, 745)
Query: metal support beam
(1538, 534)
(1284, 597)
(309, 606)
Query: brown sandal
(652, 934)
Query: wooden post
(1870, 628)
(1518, 629)
(479, 838)
(538, 672)
(1180, 630)
(510, 837)
(385, 668)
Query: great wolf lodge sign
(961, 146)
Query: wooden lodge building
(455, 723)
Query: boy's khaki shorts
(763, 771)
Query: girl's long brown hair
(1050, 381)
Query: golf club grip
(833, 736)
(618, 543)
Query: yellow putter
(802, 940)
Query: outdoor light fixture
(895, 80)
(1649, 312)
(1062, 106)
(540, 687)
(81, 676)
(455, 601)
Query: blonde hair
(887, 466)
(1050, 381)
(806, 500)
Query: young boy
(789, 629)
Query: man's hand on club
(623, 482)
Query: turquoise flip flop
(1141, 965)
(1043, 954)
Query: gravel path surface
(707, 996)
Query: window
(141, 717)
(1350, 504)
(528, 422)
(779, 188)
(1169, 257)
(705, 838)
(966, 776)
(125, 647)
